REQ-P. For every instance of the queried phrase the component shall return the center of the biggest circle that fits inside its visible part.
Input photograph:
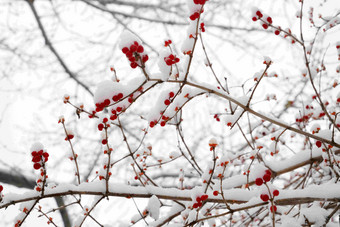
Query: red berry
(265, 26)
(167, 102)
(46, 155)
(204, 197)
(198, 199)
(36, 158)
(267, 171)
(266, 177)
(120, 95)
(34, 153)
(140, 49)
(125, 50)
(163, 123)
(269, 19)
(258, 181)
(171, 94)
(254, 19)
(264, 197)
(276, 192)
(128, 54)
(1, 188)
(36, 166)
(113, 117)
(107, 102)
(145, 58)
(277, 32)
(273, 208)
(133, 65)
(115, 98)
(195, 205)
(152, 124)
(119, 109)
(104, 141)
(259, 14)
(318, 143)
(100, 127)
(215, 193)
(133, 48)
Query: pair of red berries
(266, 177)
(265, 197)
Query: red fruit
(119, 109)
(277, 32)
(34, 153)
(204, 197)
(259, 14)
(115, 98)
(192, 17)
(113, 117)
(140, 49)
(46, 155)
(104, 141)
(100, 127)
(125, 50)
(215, 193)
(276, 192)
(318, 143)
(264, 197)
(120, 95)
(1, 188)
(199, 204)
(130, 100)
(167, 102)
(265, 26)
(145, 58)
(273, 208)
(198, 199)
(152, 124)
(40, 152)
(266, 177)
(171, 94)
(128, 54)
(133, 48)
(176, 60)
(267, 171)
(132, 59)
(258, 181)
(163, 123)
(36, 158)
(107, 102)
(168, 62)
(254, 18)
(105, 120)
(36, 166)
(195, 205)
(133, 65)
(269, 19)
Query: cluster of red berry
(133, 53)
(265, 22)
(39, 157)
(171, 59)
(167, 42)
(199, 200)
